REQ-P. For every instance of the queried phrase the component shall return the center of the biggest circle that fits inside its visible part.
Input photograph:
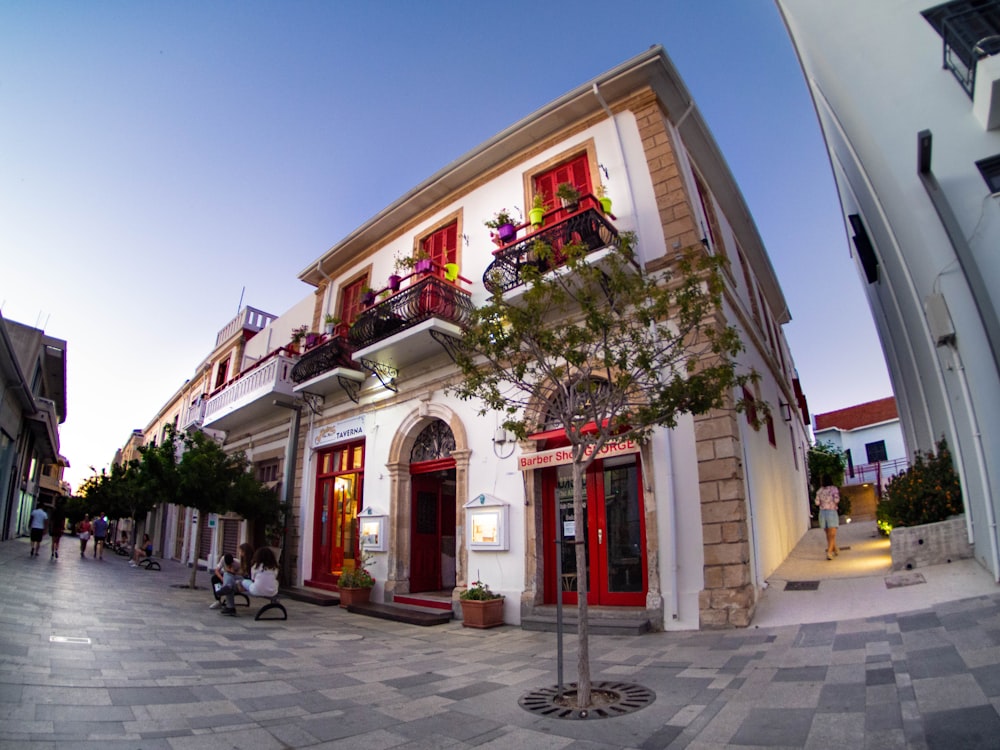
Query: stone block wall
(929, 544)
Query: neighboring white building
(871, 437)
(908, 98)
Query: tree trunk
(583, 653)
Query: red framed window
(350, 300)
(442, 245)
(574, 171)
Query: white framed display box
(371, 530)
(487, 519)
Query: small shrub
(927, 492)
(480, 592)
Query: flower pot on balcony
(535, 216)
(507, 232)
(424, 265)
(605, 205)
(311, 340)
(394, 281)
(368, 298)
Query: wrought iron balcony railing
(330, 354)
(588, 226)
(969, 37)
(428, 297)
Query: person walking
(828, 500)
(83, 530)
(39, 518)
(56, 527)
(100, 534)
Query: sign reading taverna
(339, 432)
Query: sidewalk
(101, 655)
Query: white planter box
(929, 544)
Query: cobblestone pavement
(95, 654)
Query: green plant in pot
(481, 607)
(504, 223)
(356, 584)
(602, 196)
(569, 195)
(538, 208)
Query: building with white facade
(344, 398)
(871, 437)
(908, 96)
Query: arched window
(436, 441)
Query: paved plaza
(96, 654)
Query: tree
(212, 481)
(606, 352)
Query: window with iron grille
(990, 170)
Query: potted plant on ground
(537, 211)
(503, 222)
(481, 608)
(355, 585)
(569, 195)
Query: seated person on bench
(145, 551)
(263, 580)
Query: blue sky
(159, 158)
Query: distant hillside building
(908, 99)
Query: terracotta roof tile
(861, 415)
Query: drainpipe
(329, 289)
(291, 451)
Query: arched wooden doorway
(433, 544)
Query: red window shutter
(442, 246)
(574, 172)
(350, 301)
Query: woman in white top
(263, 580)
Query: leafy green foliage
(605, 352)
(359, 578)
(927, 492)
(479, 592)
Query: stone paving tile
(175, 675)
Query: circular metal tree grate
(608, 699)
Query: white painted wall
(875, 73)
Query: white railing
(273, 375)
(194, 413)
(249, 319)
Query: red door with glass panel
(613, 525)
(432, 540)
(339, 479)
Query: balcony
(878, 473)
(249, 320)
(250, 396)
(193, 415)
(44, 424)
(401, 329)
(327, 366)
(588, 226)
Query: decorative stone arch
(400, 490)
